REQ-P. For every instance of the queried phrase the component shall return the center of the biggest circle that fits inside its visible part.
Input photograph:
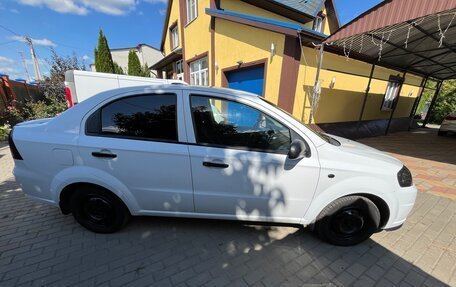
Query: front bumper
(405, 200)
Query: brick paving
(41, 247)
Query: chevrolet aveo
(186, 151)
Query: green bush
(4, 131)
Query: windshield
(323, 136)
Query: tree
(118, 69)
(103, 57)
(145, 70)
(445, 103)
(134, 66)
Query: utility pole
(25, 66)
(34, 59)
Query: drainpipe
(317, 80)
(395, 105)
(417, 102)
(364, 101)
(436, 94)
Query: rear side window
(151, 117)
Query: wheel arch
(69, 179)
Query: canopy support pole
(366, 94)
(417, 102)
(317, 82)
(434, 98)
(395, 104)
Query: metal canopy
(412, 45)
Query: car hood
(356, 148)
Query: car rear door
(239, 162)
(140, 140)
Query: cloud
(5, 67)
(83, 7)
(61, 6)
(15, 11)
(87, 58)
(162, 12)
(38, 42)
(4, 60)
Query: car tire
(348, 221)
(442, 133)
(98, 210)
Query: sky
(72, 26)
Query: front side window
(392, 91)
(226, 123)
(192, 10)
(174, 37)
(199, 72)
(151, 117)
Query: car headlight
(404, 176)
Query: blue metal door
(247, 79)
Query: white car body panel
(156, 178)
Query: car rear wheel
(348, 221)
(98, 210)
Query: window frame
(200, 71)
(318, 23)
(188, 10)
(293, 134)
(387, 98)
(97, 113)
(174, 40)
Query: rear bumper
(405, 200)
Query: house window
(392, 92)
(180, 70)
(174, 37)
(199, 72)
(318, 24)
(192, 10)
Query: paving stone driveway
(41, 247)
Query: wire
(9, 30)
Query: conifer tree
(103, 58)
(134, 66)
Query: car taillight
(68, 97)
(450, 118)
(14, 151)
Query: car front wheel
(348, 221)
(98, 210)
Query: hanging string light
(410, 26)
(442, 33)
(383, 41)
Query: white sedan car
(208, 153)
(448, 125)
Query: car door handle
(103, 154)
(215, 164)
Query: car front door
(240, 166)
(138, 139)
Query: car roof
(225, 91)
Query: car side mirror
(298, 149)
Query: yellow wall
(198, 36)
(343, 101)
(173, 17)
(236, 42)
